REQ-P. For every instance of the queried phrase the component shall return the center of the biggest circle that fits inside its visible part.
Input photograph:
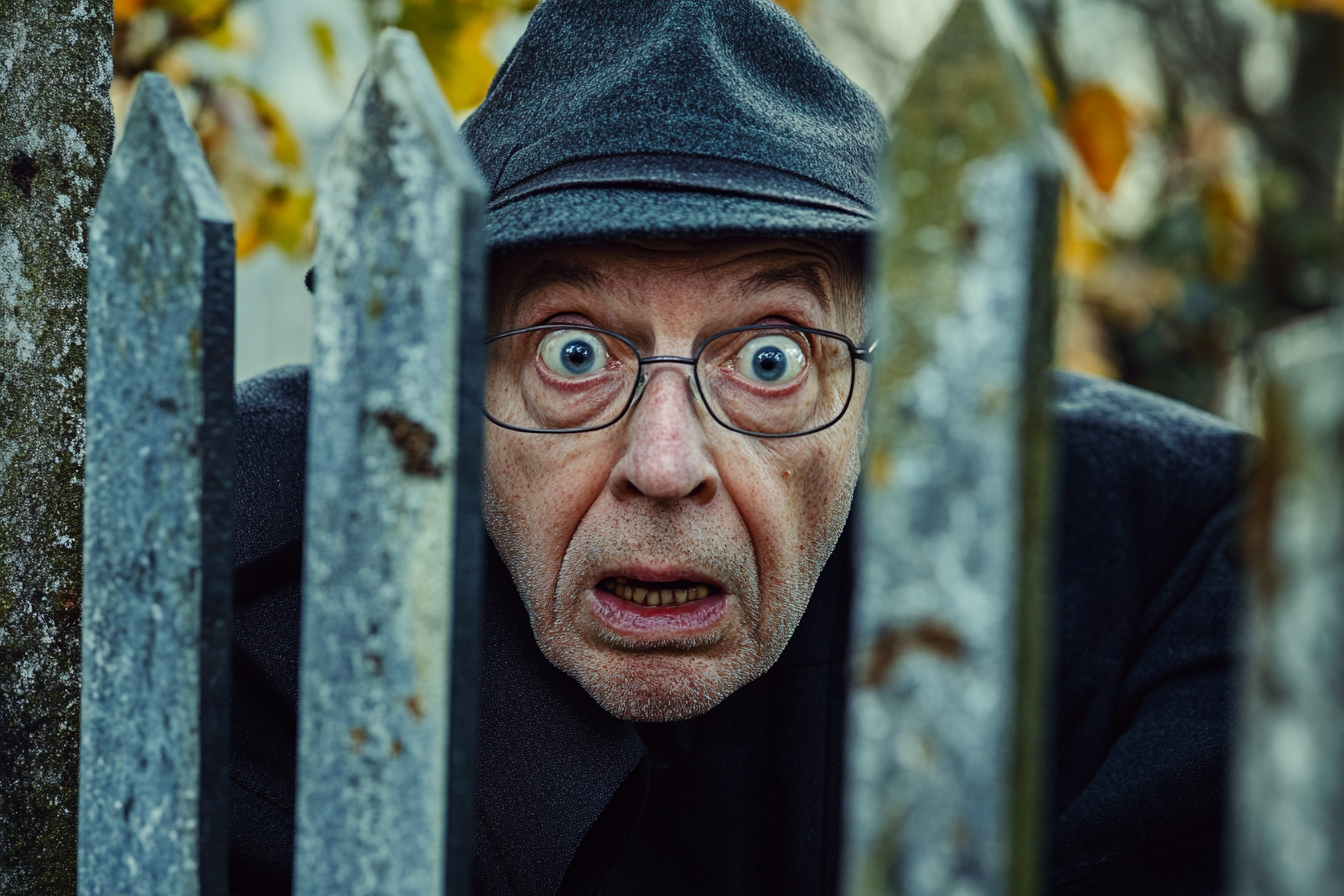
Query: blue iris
(769, 364)
(578, 357)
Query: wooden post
(158, 547)
(949, 634)
(393, 543)
(1289, 827)
(55, 141)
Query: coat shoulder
(270, 454)
(1111, 417)
(1142, 450)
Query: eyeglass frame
(856, 354)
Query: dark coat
(745, 798)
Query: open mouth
(656, 594)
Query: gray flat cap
(615, 119)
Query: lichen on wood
(55, 140)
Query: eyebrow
(553, 273)
(807, 274)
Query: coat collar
(548, 758)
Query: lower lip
(629, 618)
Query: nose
(665, 457)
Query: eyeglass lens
(762, 380)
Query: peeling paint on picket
(393, 534)
(158, 547)
(949, 638)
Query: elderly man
(680, 190)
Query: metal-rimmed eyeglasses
(767, 380)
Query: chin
(656, 687)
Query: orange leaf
(125, 10)
(1097, 124)
(794, 7)
(1335, 7)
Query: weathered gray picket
(393, 535)
(949, 656)
(158, 547)
(1289, 829)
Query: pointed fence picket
(158, 544)
(948, 644)
(393, 534)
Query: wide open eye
(573, 353)
(773, 360)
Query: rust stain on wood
(930, 635)
(414, 441)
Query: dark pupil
(577, 356)
(769, 363)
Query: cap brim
(586, 215)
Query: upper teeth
(653, 597)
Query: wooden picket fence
(962, 305)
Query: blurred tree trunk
(55, 141)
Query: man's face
(666, 499)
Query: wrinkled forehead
(831, 272)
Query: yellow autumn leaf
(453, 34)
(1096, 122)
(1228, 231)
(1081, 248)
(202, 15)
(465, 70)
(284, 142)
(794, 7)
(280, 217)
(325, 41)
(221, 35)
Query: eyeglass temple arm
(864, 354)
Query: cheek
(538, 488)
(794, 499)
